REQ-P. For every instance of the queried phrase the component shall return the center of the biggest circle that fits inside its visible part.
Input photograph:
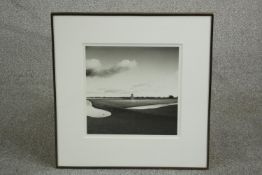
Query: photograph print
(132, 90)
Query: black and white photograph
(132, 90)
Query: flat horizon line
(132, 97)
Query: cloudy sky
(120, 71)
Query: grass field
(159, 121)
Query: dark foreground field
(159, 121)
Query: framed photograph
(132, 90)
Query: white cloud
(93, 64)
(94, 68)
(127, 64)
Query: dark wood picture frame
(132, 14)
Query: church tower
(132, 96)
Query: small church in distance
(132, 96)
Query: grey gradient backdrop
(26, 86)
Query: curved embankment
(152, 106)
(91, 111)
(95, 112)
